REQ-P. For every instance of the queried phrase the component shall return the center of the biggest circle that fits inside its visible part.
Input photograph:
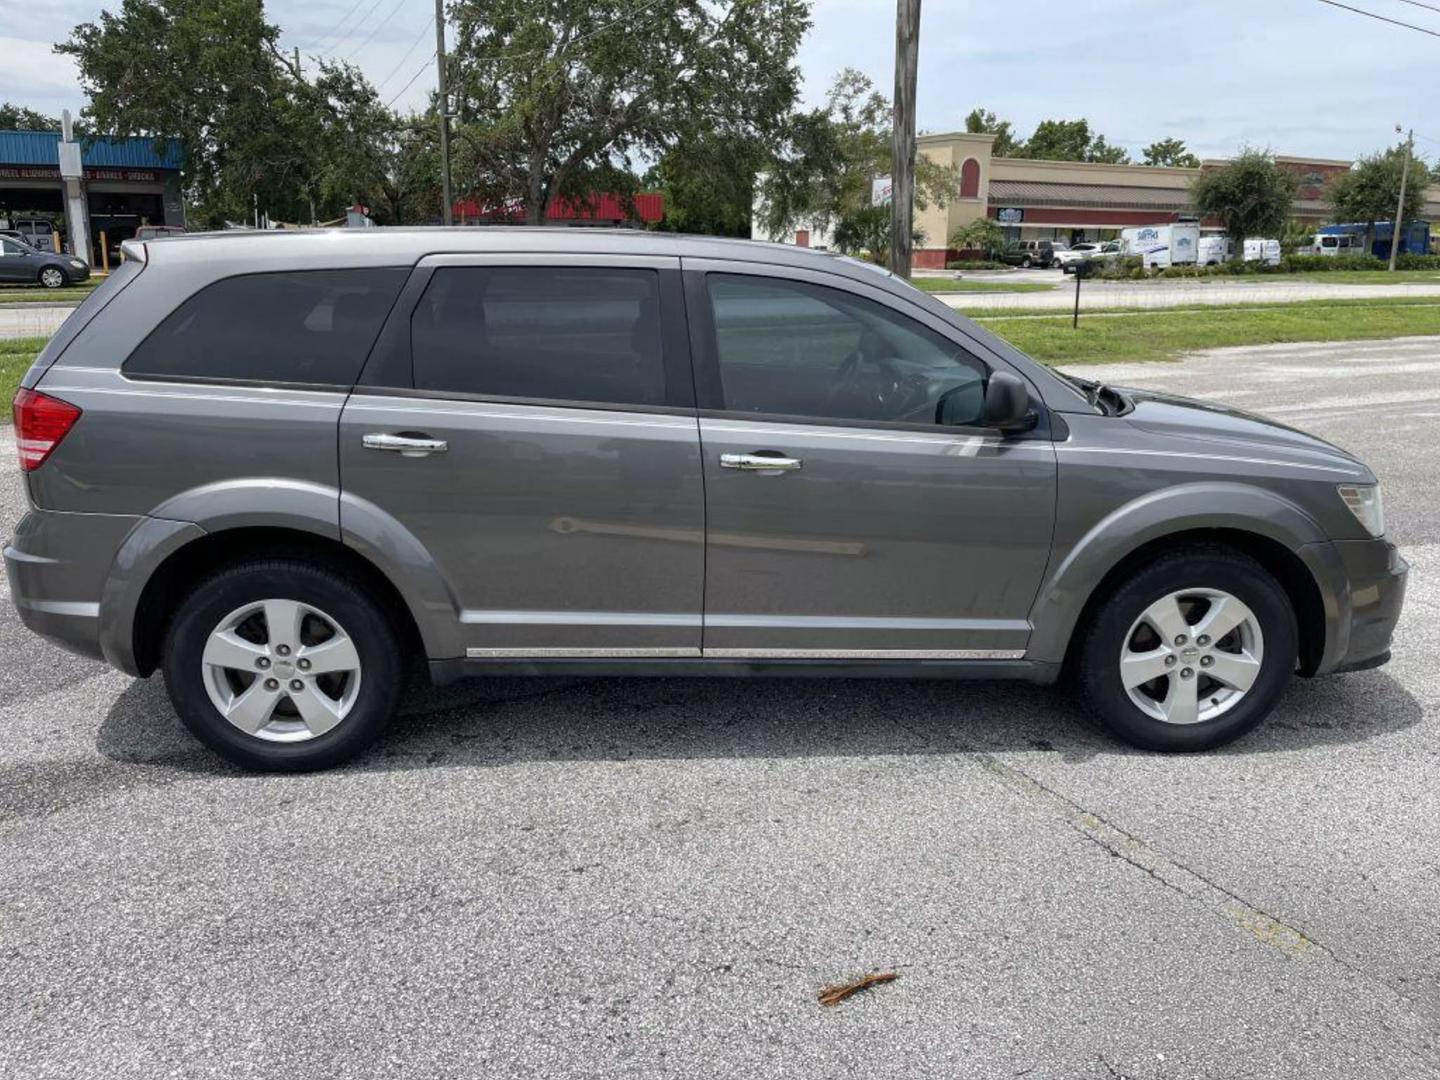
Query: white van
(1160, 246)
(1338, 244)
(1263, 251)
(1212, 250)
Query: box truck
(1159, 246)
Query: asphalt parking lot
(622, 878)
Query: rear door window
(311, 328)
(590, 334)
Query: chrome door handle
(759, 463)
(408, 445)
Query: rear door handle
(407, 445)
(761, 461)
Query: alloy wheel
(51, 278)
(1191, 656)
(281, 670)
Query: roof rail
(133, 250)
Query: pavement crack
(1164, 869)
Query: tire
(1123, 631)
(52, 277)
(1025, 262)
(228, 617)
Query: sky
(1295, 76)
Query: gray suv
(279, 466)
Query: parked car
(1098, 252)
(1028, 253)
(1075, 253)
(38, 233)
(21, 263)
(156, 232)
(275, 467)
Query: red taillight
(41, 421)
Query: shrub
(1291, 264)
(1413, 261)
(974, 264)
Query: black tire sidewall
(380, 663)
(1236, 574)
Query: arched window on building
(970, 179)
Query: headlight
(1364, 502)
(79, 264)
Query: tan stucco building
(1071, 200)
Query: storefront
(1070, 200)
(125, 183)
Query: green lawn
(950, 285)
(1165, 334)
(35, 294)
(16, 356)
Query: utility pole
(902, 149)
(1396, 231)
(298, 73)
(447, 212)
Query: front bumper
(1364, 603)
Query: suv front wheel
(282, 665)
(1191, 652)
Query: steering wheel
(889, 388)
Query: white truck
(1213, 249)
(1263, 251)
(1160, 246)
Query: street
(628, 878)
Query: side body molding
(1075, 573)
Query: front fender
(1074, 574)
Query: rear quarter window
(312, 327)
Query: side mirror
(1007, 403)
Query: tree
(210, 74)
(1171, 153)
(1251, 194)
(560, 98)
(18, 118)
(985, 122)
(983, 234)
(1071, 140)
(829, 157)
(709, 184)
(1370, 191)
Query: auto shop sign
(52, 172)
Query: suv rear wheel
(282, 665)
(1192, 652)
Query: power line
(638, 10)
(411, 81)
(345, 35)
(1420, 4)
(396, 69)
(376, 29)
(343, 20)
(1382, 18)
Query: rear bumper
(57, 565)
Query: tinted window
(309, 327)
(10, 247)
(805, 350)
(582, 334)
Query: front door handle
(762, 461)
(406, 445)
